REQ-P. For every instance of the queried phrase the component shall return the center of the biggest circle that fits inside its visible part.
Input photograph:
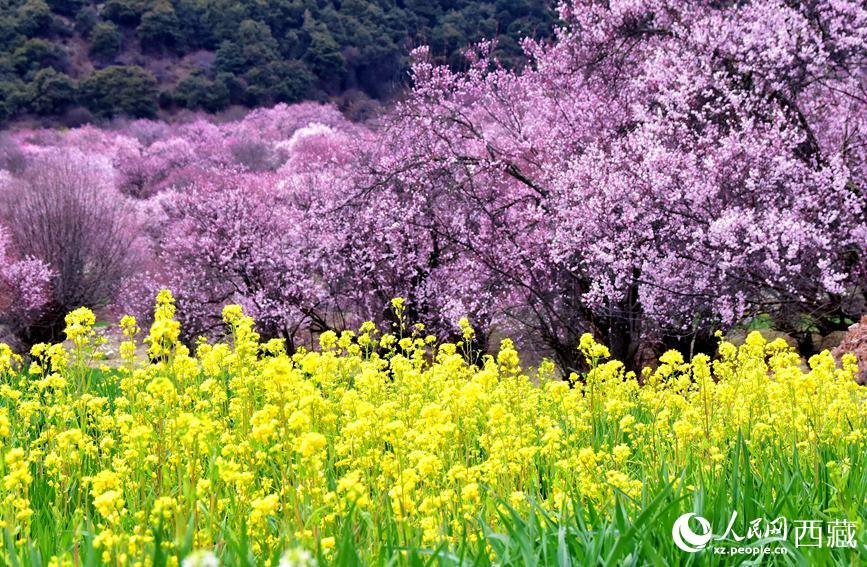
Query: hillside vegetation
(79, 59)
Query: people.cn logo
(685, 538)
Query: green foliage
(37, 54)
(265, 76)
(66, 7)
(118, 89)
(125, 12)
(160, 29)
(85, 20)
(9, 35)
(12, 97)
(50, 92)
(34, 18)
(323, 52)
(199, 92)
(105, 41)
(278, 81)
(265, 51)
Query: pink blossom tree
(248, 219)
(369, 251)
(64, 212)
(239, 238)
(661, 170)
(24, 290)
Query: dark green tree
(279, 81)
(125, 12)
(13, 96)
(258, 51)
(68, 8)
(295, 81)
(50, 92)
(105, 41)
(230, 58)
(85, 20)
(9, 34)
(233, 85)
(257, 43)
(323, 55)
(118, 89)
(222, 17)
(37, 54)
(194, 30)
(253, 48)
(34, 18)
(199, 92)
(160, 29)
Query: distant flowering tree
(369, 251)
(294, 246)
(238, 238)
(24, 290)
(169, 157)
(64, 212)
(283, 170)
(662, 169)
(146, 170)
(280, 122)
(250, 218)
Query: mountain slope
(79, 59)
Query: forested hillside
(77, 59)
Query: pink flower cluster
(664, 169)
(24, 289)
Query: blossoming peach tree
(663, 169)
(24, 288)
